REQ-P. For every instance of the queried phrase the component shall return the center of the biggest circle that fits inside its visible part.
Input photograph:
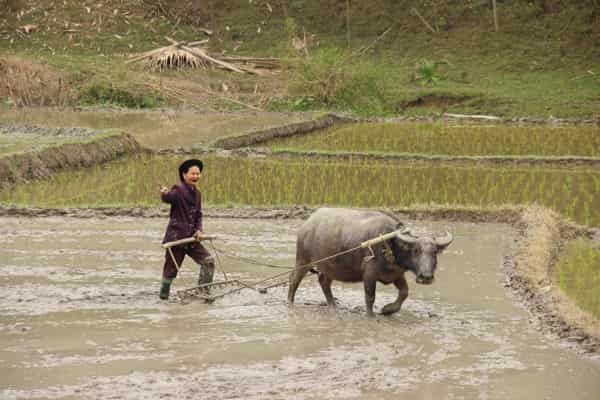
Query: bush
(335, 79)
(428, 72)
(100, 94)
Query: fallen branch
(463, 116)
(414, 11)
(377, 39)
(151, 53)
(202, 54)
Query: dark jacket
(185, 217)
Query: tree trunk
(495, 15)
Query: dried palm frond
(174, 58)
(185, 55)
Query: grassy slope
(540, 63)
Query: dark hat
(187, 164)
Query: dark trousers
(196, 251)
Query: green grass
(134, 181)
(540, 63)
(578, 274)
(445, 139)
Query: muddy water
(80, 318)
(156, 129)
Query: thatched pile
(173, 59)
(180, 55)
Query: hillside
(435, 56)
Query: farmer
(185, 220)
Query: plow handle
(187, 240)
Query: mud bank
(486, 119)
(252, 138)
(503, 215)
(42, 163)
(566, 161)
(328, 120)
(542, 235)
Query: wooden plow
(209, 292)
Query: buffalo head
(419, 254)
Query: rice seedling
(578, 274)
(272, 182)
(454, 140)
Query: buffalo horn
(444, 240)
(407, 238)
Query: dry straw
(174, 58)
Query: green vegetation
(428, 72)
(578, 274)
(445, 139)
(543, 61)
(133, 182)
(106, 95)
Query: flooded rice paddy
(155, 130)
(80, 318)
(133, 182)
(18, 138)
(450, 139)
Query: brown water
(156, 129)
(80, 318)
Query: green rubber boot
(165, 288)
(207, 271)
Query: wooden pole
(348, 23)
(168, 245)
(495, 15)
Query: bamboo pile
(179, 55)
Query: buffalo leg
(402, 295)
(370, 285)
(295, 278)
(325, 283)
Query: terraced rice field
(17, 139)
(578, 274)
(453, 140)
(271, 182)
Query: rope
(290, 270)
(248, 260)
(313, 263)
(218, 260)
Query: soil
(35, 164)
(80, 314)
(538, 302)
(253, 138)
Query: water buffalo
(332, 230)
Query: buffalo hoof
(389, 309)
